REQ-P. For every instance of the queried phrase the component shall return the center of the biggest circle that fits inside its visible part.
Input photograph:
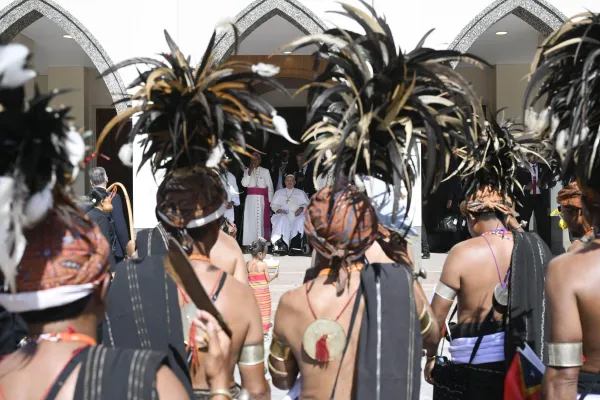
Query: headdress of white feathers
(40, 157)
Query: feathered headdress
(40, 157)
(372, 102)
(565, 76)
(194, 116)
(502, 149)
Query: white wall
(127, 28)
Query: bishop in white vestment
(288, 204)
(256, 208)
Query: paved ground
(291, 272)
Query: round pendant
(501, 295)
(324, 332)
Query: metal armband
(425, 320)
(279, 349)
(445, 291)
(565, 355)
(275, 372)
(253, 354)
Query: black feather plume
(195, 116)
(372, 104)
(503, 147)
(565, 80)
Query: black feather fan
(194, 116)
(372, 103)
(565, 78)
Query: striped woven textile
(258, 282)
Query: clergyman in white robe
(256, 208)
(286, 204)
(233, 196)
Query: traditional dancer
(357, 321)
(497, 276)
(193, 117)
(565, 73)
(54, 261)
(259, 279)
(569, 199)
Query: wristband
(220, 392)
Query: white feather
(37, 207)
(75, 147)
(216, 155)
(281, 127)
(12, 240)
(266, 70)
(13, 74)
(126, 154)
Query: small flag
(524, 378)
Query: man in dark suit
(99, 182)
(279, 167)
(536, 198)
(304, 175)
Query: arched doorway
(20, 14)
(261, 11)
(507, 34)
(539, 14)
(67, 56)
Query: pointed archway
(18, 15)
(261, 11)
(540, 14)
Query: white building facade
(112, 30)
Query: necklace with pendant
(287, 198)
(67, 336)
(501, 289)
(324, 340)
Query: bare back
(572, 291)
(240, 310)
(30, 373)
(472, 270)
(227, 255)
(293, 318)
(17, 370)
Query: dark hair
(96, 196)
(258, 246)
(55, 314)
(98, 175)
(488, 216)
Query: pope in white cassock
(256, 208)
(288, 204)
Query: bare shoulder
(463, 252)
(228, 244)
(560, 269)
(242, 290)
(261, 266)
(288, 303)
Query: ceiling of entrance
(271, 35)
(52, 49)
(518, 46)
